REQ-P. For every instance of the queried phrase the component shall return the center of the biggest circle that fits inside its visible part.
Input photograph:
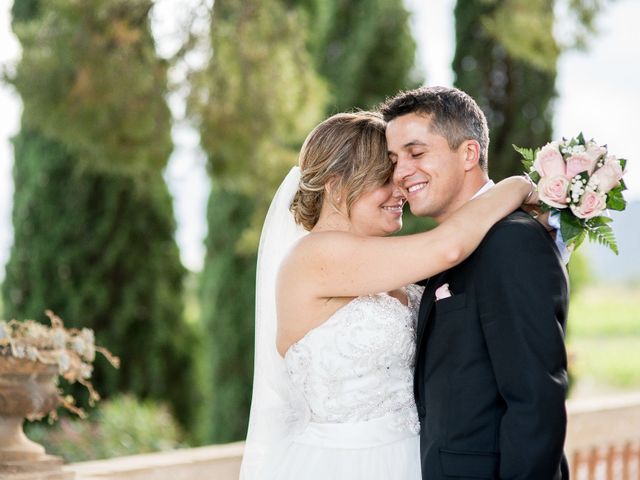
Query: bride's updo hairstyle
(347, 149)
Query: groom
(491, 370)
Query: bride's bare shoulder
(313, 249)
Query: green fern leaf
(603, 235)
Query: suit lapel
(426, 304)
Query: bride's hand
(530, 205)
(543, 218)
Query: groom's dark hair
(454, 115)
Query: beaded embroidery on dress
(354, 373)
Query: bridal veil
(276, 412)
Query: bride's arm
(339, 264)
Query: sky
(598, 94)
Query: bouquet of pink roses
(579, 180)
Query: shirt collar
(484, 188)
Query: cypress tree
(366, 52)
(90, 78)
(363, 48)
(253, 103)
(228, 305)
(505, 59)
(95, 242)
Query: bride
(336, 308)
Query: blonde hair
(349, 149)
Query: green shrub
(118, 427)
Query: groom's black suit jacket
(491, 371)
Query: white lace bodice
(358, 365)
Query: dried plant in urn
(33, 357)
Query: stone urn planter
(27, 391)
(32, 356)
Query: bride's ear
(333, 192)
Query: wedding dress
(355, 374)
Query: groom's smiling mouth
(417, 187)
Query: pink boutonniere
(443, 292)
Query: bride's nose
(397, 193)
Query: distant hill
(605, 265)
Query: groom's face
(427, 170)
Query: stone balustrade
(216, 462)
(603, 421)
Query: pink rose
(595, 151)
(549, 161)
(592, 205)
(608, 176)
(554, 191)
(578, 163)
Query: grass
(613, 362)
(605, 312)
(604, 339)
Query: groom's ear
(471, 151)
